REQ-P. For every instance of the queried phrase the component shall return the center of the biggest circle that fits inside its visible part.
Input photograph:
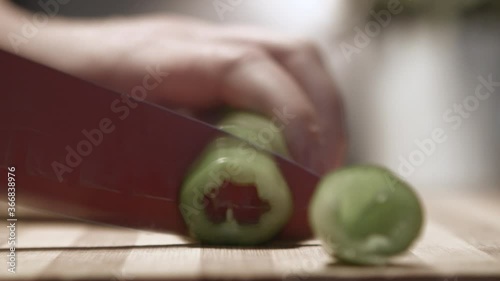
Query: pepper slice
(235, 194)
(365, 214)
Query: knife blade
(78, 154)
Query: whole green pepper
(235, 194)
(365, 214)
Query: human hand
(208, 66)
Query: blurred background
(408, 72)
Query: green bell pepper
(365, 214)
(235, 194)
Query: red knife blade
(76, 156)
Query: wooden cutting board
(461, 241)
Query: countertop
(461, 241)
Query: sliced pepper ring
(231, 162)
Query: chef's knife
(78, 154)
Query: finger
(207, 75)
(256, 82)
(303, 61)
(306, 67)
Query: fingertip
(256, 82)
(305, 139)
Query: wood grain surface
(461, 241)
